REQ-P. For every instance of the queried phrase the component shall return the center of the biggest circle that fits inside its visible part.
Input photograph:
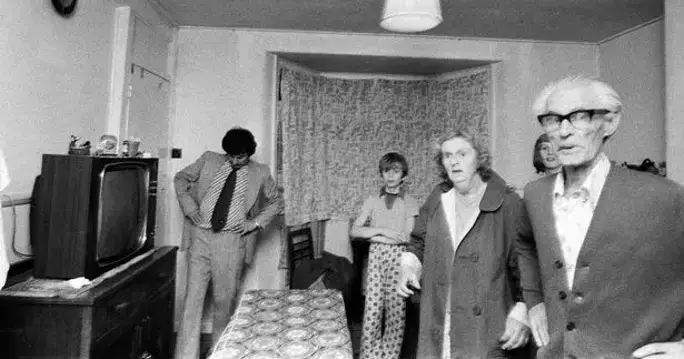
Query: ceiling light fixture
(411, 15)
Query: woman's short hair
(391, 160)
(238, 141)
(479, 143)
(537, 160)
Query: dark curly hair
(238, 141)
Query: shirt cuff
(410, 260)
(519, 313)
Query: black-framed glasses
(552, 121)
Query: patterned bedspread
(289, 324)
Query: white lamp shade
(411, 15)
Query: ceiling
(545, 20)
(589, 21)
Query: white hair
(606, 95)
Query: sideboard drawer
(113, 311)
(128, 315)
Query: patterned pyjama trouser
(383, 301)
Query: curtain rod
(134, 65)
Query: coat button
(570, 326)
(558, 263)
(477, 310)
(562, 295)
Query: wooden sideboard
(129, 315)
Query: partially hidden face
(548, 155)
(579, 143)
(459, 159)
(237, 161)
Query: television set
(90, 214)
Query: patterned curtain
(333, 131)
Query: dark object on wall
(646, 165)
(176, 153)
(64, 7)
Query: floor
(205, 344)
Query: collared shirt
(236, 213)
(573, 212)
(390, 197)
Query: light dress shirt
(573, 212)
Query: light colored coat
(628, 287)
(262, 198)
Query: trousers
(384, 315)
(216, 258)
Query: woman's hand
(538, 324)
(409, 275)
(516, 334)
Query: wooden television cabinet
(128, 315)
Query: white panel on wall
(634, 64)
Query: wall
(56, 82)
(674, 68)
(634, 63)
(225, 77)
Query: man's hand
(195, 217)
(538, 324)
(248, 226)
(408, 276)
(671, 350)
(516, 334)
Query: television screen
(122, 212)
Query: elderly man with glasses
(603, 272)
